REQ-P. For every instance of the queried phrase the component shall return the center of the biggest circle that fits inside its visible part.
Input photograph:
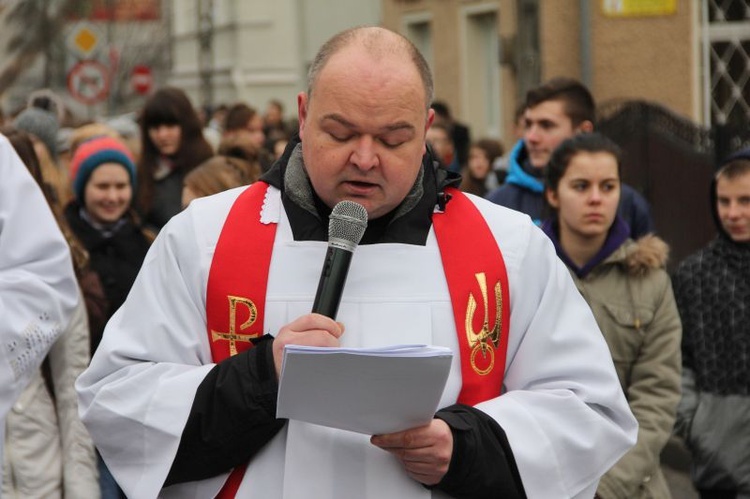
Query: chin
(110, 218)
(593, 232)
(539, 164)
(168, 150)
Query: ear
(430, 119)
(585, 127)
(302, 102)
(428, 124)
(552, 198)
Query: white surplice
(38, 288)
(563, 410)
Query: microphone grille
(348, 222)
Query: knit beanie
(41, 123)
(96, 152)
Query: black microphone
(346, 227)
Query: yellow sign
(626, 8)
(83, 40)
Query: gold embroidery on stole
(486, 338)
(232, 336)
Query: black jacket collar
(411, 227)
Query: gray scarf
(299, 189)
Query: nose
(364, 155)
(733, 211)
(161, 130)
(532, 133)
(112, 194)
(596, 195)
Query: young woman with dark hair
(172, 145)
(630, 294)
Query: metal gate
(671, 161)
(726, 54)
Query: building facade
(85, 52)
(255, 50)
(690, 56)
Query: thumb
(342, 328)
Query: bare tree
(134, 33)
(35, 25)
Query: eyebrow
(392, 127)
(541, 121)
(740, 197)
(608, 179)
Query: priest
(180, 398)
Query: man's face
(363, 130)
(733, 204)
(545, 126)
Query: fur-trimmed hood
(648, 252)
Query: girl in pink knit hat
(102, 217)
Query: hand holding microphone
(346, 227)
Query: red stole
(473, 265)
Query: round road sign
(88, 82)
(142, 79)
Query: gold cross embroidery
(486, 338)
(232, 336)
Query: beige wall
(650, 58)
(558, 39)
(445, 16)
(445, 64)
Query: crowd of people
(144, 243)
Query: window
(481, 72)
(418, 29)
(727, 57)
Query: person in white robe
(171, 422)
(38, 287)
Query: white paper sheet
(370, 391)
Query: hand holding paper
(425, 452)
(311, 329)
(370, 391)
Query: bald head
(378, 43)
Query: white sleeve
(38, 288)
(136, 395)
(563, 409)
